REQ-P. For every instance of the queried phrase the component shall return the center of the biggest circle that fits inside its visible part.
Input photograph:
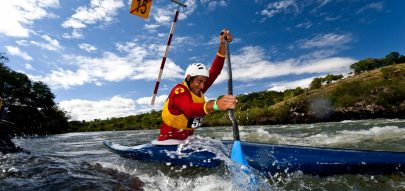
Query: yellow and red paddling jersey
(183, 110)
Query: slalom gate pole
(162, 65)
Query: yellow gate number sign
(141, 8)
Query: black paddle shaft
(230, 92)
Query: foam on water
(347, 121)
(80, 153)
(264, 136)
(326, 135)
(376, 134)
(123, 147)
(161, 182)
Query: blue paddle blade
(237, 153)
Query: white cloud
(212, 5)
(28, 66)
(275, 8)
(306, 25)
(164, 15)
(99, 11)
(377, 6)
(151, 27)
(333, 18)
(319, 54)
(185, 40)
(191, 7)
(281, 86)
(325, 40)
(214, 41)
(109, 67)
(22, 42)
(87, 47)
(160, 100)
(324, 2)
(292, 7)
(17, 16)
(76, 34)
(250, 63)
(88, 110)
(12, 50)
(65, 78)
(149, 71)
(138, 63)
(117, 107)
(50, 44)
(278, 88)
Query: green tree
(31, 103)
(401, 59)
(42, 96)
(372, 63)
(331, 78)
(391, 58)
(365, 65)
(316, 83)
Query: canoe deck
(269, 158)
(166, 154)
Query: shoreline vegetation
(373, 90)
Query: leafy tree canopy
(32, 105)
(372, 63)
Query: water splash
(242, 177)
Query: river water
(79, 161)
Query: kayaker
(185, 106)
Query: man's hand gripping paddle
(237, 153)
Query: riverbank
(374, 94)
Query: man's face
(197, 83)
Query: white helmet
(196, 69)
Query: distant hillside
(371, 93)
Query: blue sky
(102, 62)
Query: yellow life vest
(181, 121)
